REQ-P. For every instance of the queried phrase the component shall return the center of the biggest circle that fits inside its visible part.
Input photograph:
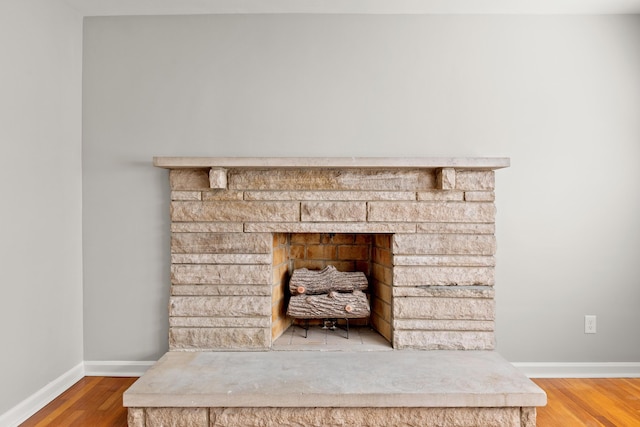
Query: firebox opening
(367, 253)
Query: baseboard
(579, 370)
(32, 404)
(29, 406)
(117, 368)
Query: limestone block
(331, 179)
(479, 196)
(177, 417)
(223, 306)
(460, 227)
(445, 291)
(330, 227)
(434, 195)
(439, 276)
(444, 325)
(446, 178)
(219, 339)
(220, 290)
(186, 195)
(365, 417)
(444, 244)
(220, 322)
(189, 179)
(443, 308)
(334, 195)
(430, 212)
(221, 258)
(135, 417)
(221, 243)
(475, 180)
(217, 194)
(213, 274)
(206, 227)
(528, 416)
(444, 340)
(333, 211)
(235, 211)
(448, 260)
(218, 178)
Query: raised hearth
(383, 388)
(423, 232)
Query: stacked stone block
(332, 417)
(435, 275)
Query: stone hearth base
(390, 388)
(333, 417)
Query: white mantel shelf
(465, 163)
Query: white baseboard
(117, 368)
(32, 404)
(579, 370)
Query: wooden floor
(590, 402)
(92, 401)
(97, 401)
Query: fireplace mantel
(466, 163)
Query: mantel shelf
(466, 163)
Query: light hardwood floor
(97, 401)
(590, 402)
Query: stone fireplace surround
(236, 223)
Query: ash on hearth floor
(361, 338)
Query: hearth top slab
(334, 379)
(466, 163)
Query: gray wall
(560, 95)
(41, 187)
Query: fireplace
(237, 225)
(422, 230)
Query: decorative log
(315, 282)
(351, 305)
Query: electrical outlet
(590, 324)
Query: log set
(351, 305)
(316, 282)
(328, 294)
